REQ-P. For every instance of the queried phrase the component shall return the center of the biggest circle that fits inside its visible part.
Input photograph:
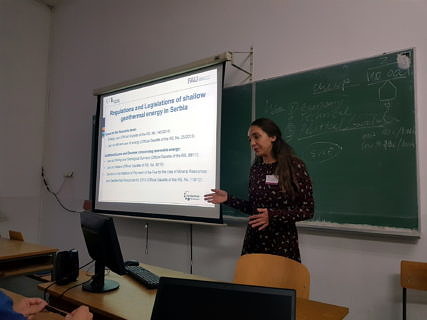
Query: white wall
(101, 42)
(24, 44)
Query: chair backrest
(268, 270)
(16, 235)
(413, 275)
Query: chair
(16, 235)
(413, 275)
(273, 271)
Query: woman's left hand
(260, 220)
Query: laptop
(205, 300)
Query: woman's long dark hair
(283, 153)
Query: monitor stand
(98, 284)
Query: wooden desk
(44, 315)
(134, 301)
(20, 257)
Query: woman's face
(260, 142)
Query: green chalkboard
(235, 151)
(353, 124)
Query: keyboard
(142, 275)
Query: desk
(133, 301)
(45, 315)
(20, 257)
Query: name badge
(271, 179)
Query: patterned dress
(280, 237)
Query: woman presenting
(280, 194)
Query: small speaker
(66, 267)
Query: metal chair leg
(404, 303)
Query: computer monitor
(195, 299)
(103, 246)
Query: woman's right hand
(218, 196)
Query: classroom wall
(24, 44)
(100, 42)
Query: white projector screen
(157, 147)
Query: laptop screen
(205, 300)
